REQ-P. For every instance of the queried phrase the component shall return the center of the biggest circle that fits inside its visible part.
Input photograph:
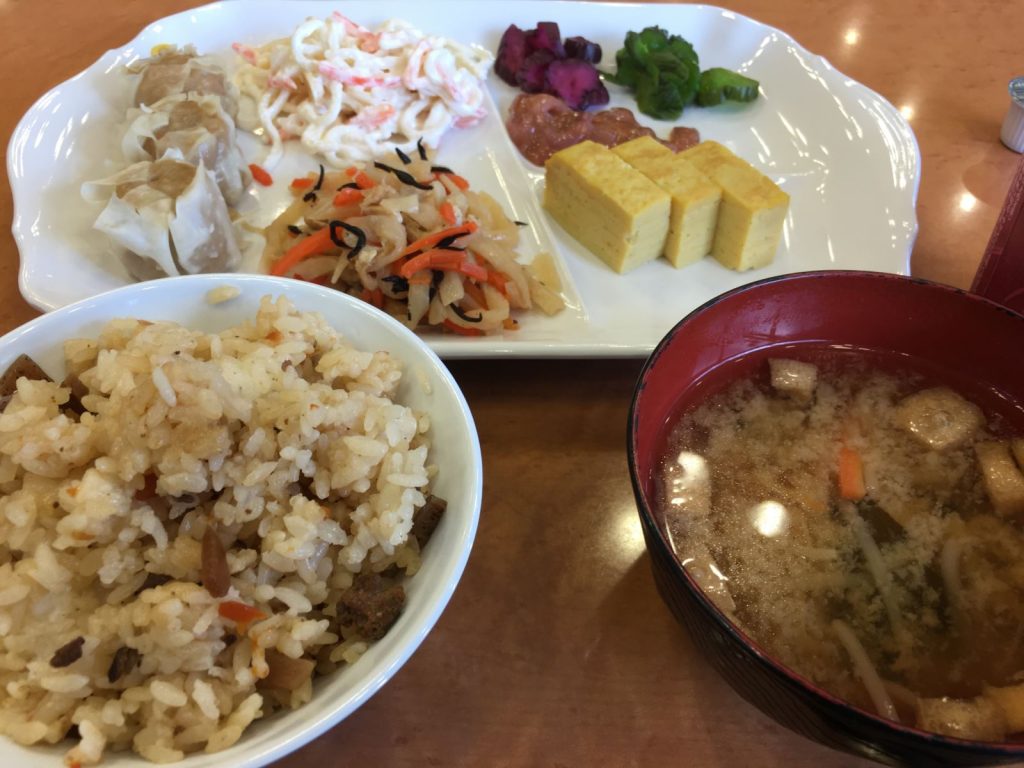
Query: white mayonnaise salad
(353, 94)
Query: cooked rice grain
(278, 433)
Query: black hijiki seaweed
(339, 241)
(398, 283)
(350, 185)
(294, 230)
(441, 169)
(520, 223)
(402, 156)
(462, 313)
(311, 195)
(444, 244)
(403, 176)
(436, 276)
(421, 149)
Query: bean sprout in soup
(865, 529)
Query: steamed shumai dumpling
(169, 215)
(180, 70)
(197, 127)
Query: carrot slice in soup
(851, 475)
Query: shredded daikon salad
(353, 94)
(413, 239)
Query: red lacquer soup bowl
(964, 340)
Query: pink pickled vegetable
(532, 75)
(580, 48)
(546, 37)
(511, 54)
(576, 82)
(538, 61)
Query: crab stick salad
(349, 93)
(413, 239)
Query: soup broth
(864, 527)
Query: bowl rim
(865, 717)
(320, 716)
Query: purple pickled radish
(580, 48)
(511, 54)
(531, 75)
(576, 83)
(546, 37)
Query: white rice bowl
(426, 387)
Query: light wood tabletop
(555, 649)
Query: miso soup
(864, 527)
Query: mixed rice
(185, 525)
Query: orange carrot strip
(851, 475)
(457, 180)
(347, 196)
(448, 213)
(477, 271)
(460, 182)
(429, 241)
(510, 324)
(260, 176)
(433, 259)
(473, 291)
(374, 297)
(456, 328)
(498, 280)
(360, 177)
(318, 242)
(452, 261)
(302, 182)
(240, 612)
(421, 279)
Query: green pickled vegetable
(664, 71)
(629, 71)
(718, 85)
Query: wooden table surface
(555, 649)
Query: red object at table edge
(1000, 276)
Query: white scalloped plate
(845, 155)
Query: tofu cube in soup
(1017, 447)
(1004, 482)
(939, 417)
(794, 378)
(978, 718)
(1011, 701)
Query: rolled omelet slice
(609, 206)
(752, 211)
(695, 198)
